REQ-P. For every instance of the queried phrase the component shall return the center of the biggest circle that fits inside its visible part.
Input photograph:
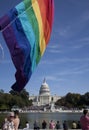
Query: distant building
(44, 96)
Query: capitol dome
(44, 89)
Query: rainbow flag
(26, 29)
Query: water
(39, 117)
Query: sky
(65, 63)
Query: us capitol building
(44, 96)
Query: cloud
(66, 67)
(85, 16)
(78, 43)
(74, 70)
(68, 45)
(75, 26)
(1, 53)
(54, 50)
(53, 78)
(6, 61)
(65, 60)
(69, 72)
(82, 41)
(64, 31)
(54, 46)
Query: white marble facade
(44, 96)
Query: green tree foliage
(8, 100)
(86, 98)
(74, 100)
(22, 98)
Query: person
(27, 126)
(44, 124)
(5, 124)
(36, 127)
(78, 125)
(74, 125)
(84, 120)
(51, 125)
(58, 126)
(9, 122)
(16, 119)
(65, 125)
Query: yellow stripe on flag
(41, 31)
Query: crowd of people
(57, 125)
(12, 122)
(83, 123)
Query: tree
(21, 99)
(24, 94)
(86, 98)
(71, 100)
